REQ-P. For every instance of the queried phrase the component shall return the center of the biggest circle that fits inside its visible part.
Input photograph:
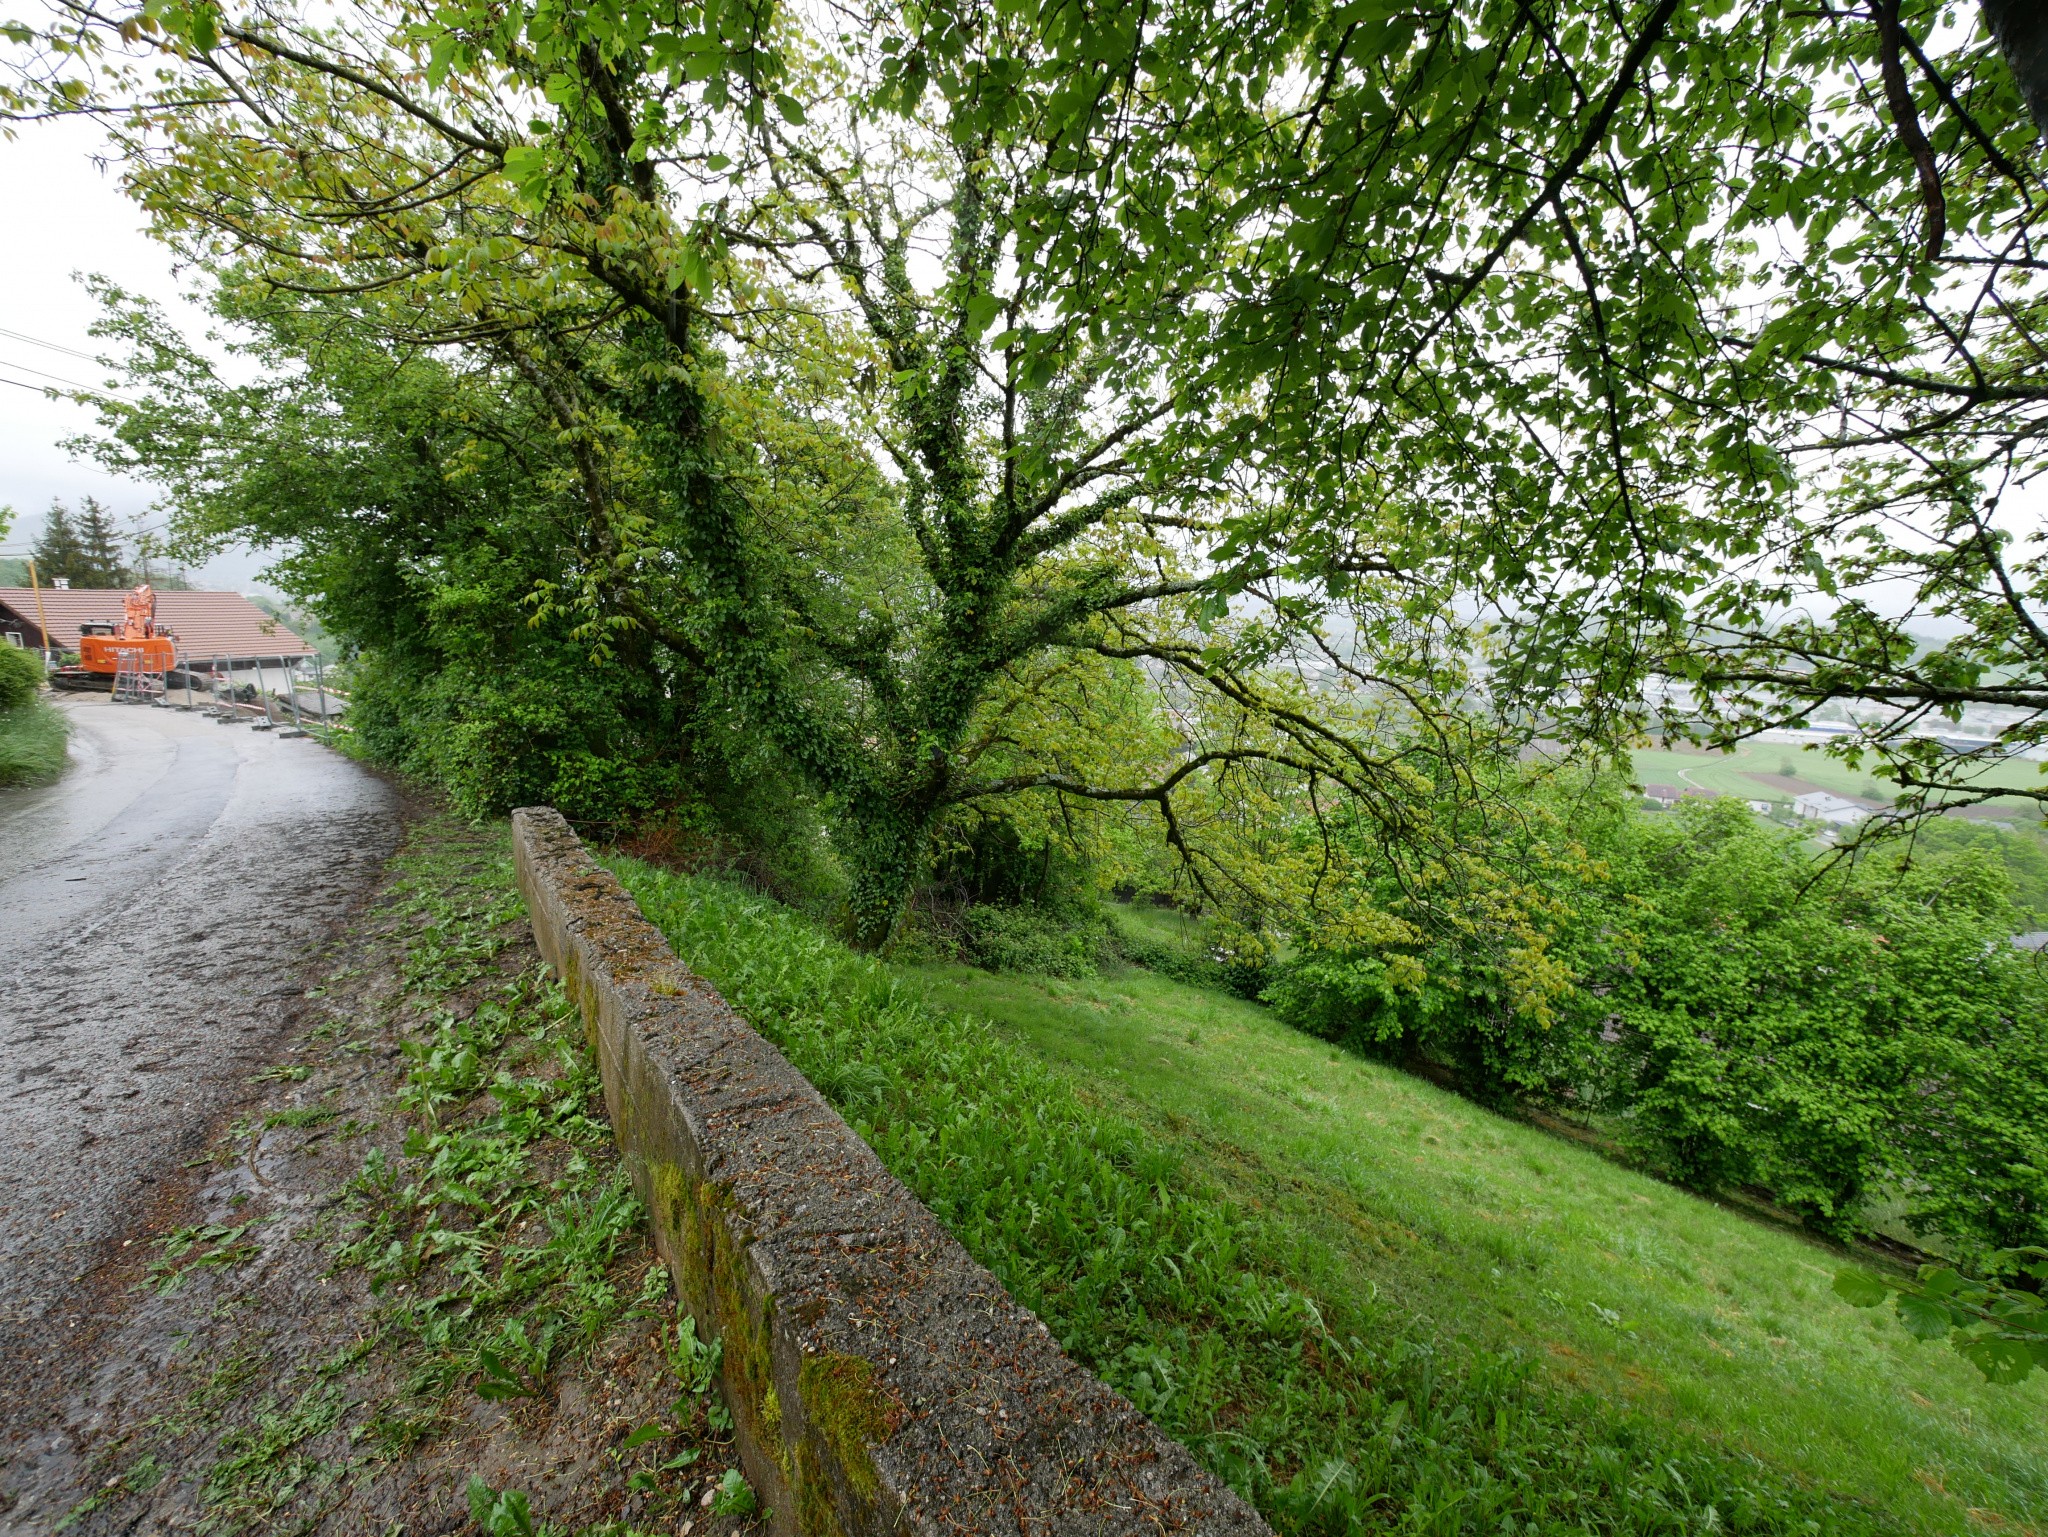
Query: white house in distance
(1826, 806)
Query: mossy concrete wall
(880, 1380)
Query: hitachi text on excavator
(103, 645)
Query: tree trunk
(2021, 28)
(883, 848)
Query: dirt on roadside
(408, 1289)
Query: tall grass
(32, 737)
(1331, 1409)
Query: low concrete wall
(879, 1379)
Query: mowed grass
(1165, 925)
(1369, 1305)
(1499, 1234)
(32, 740)
(1730, 773)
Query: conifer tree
(57, 551)
(99, 560)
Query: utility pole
(42, 618)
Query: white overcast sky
(65, 215)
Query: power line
(40, 389)
(37, 341)
(43, 373)
(44, 389)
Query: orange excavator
(103, 644)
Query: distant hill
(301, 623)
(14, 573)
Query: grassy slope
(1431, 1233)
(32, 743)
(1729, 773)
(1169, 925)
(1499, 1233)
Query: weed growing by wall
(501, 1239)
(499, 1294)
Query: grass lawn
(1730, 773)
(1497, 1233)
(32, 743)
(1165, 925)
(1371, 1305)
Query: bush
(1824, 1042)
(1213, 967)
(32, 743)
(556, 731)
(1750, 1026)
(1030, 938)
(21, 676)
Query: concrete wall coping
(880, 1380)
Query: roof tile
(206, 625)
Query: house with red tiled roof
(209, 627)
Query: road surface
(157, 907)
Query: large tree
(888, 633)
(1510, 309)
(57, 552)
(83, 550)
(100, 560)
(1687, 338)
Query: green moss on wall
(850, 1414)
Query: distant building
(222, 627)
(1762, 808)
(1826, 806)
(1661, 797)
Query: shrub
(556, 732)
(31, 732)
(1031, 938)
(1749, 1024)
(1198, 967)
(21, 675)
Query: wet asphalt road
(157, 908)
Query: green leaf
(527, 165)
(1860, 1289)
(982, 310)
(2002, 1361)
(1924, 1319)
(500, 1513)
(791, 109)
(652, 1431)
(734, 1497)
(499, 1381)
(1941, 1282)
